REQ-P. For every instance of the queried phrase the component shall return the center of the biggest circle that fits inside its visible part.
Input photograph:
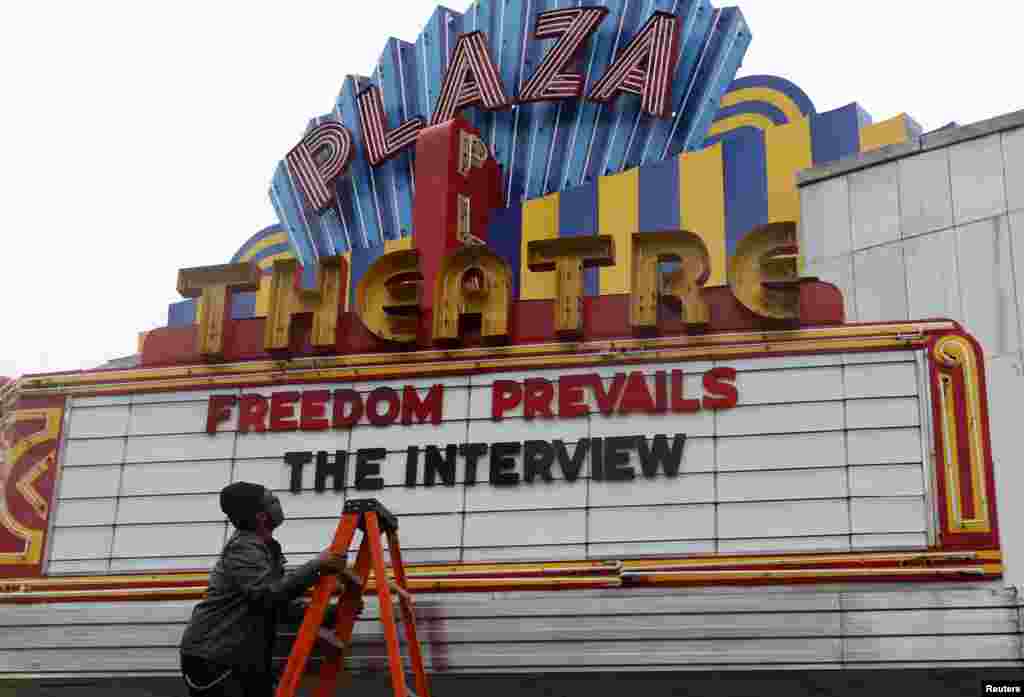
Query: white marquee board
(822, 453)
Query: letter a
(380, 143)
(645, 67)
(319, 158)
(471, 78)
(574, 26)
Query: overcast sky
(139, 138)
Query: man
(226, 650)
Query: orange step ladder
(374, 520)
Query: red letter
(645, 67)
(381, 144)
(570, 395)
(282, 411)
(320, 157)
(219, 410)
(430, 408)
(680, 405)
(471, 78)
(636, 397)
(252, 413)
(538, 395)
(606, 400)
(313, 410)
(505, 395)
(726, 393)
(660, 392)
(574, 26)
(391, 399)
(341, 398)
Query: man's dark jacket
(235, 625)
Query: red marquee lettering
(570, 395)
(320, 157)
(574, 26)
(313, 411)
(720, 383)
(252, 413)
(645, 67)
(219, 410)
(679, 404)
(282, 411)
(505, 395)
(471, 78)
(390, 399)
(538, 395)
(382, 144)
(351, 399)
(427, 409)
(636, 398)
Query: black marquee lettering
(658, 454)
(368, 469)
(538, 456)
(412, 463)
(571, 466)
(434, 464)
(297, 461)
(326, 468)
(472, 452)
(616, 458)
(502, 461)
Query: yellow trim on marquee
(957, 352)
(33, 550)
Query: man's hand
(331, 562)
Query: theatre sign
(548, 322)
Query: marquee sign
(536, 288)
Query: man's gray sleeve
(248, 566)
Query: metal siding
(976, 174)
(985, 263)
(875, 205)
(825, 221)
(926, 199)
(881, 284)
(1013, 157)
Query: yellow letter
(286, 301)
(569, 256)
(213, 286)
(472, 281)
(684, 285)
(763, 272)
(388, 296)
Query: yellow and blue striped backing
(744, 175)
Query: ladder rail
(313, 618)
(408, 615)
(375, 522)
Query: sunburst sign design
(562, 93)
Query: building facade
(670, 378)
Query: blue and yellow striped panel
(745, 175)
(543, 147)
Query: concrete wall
(935, 228)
